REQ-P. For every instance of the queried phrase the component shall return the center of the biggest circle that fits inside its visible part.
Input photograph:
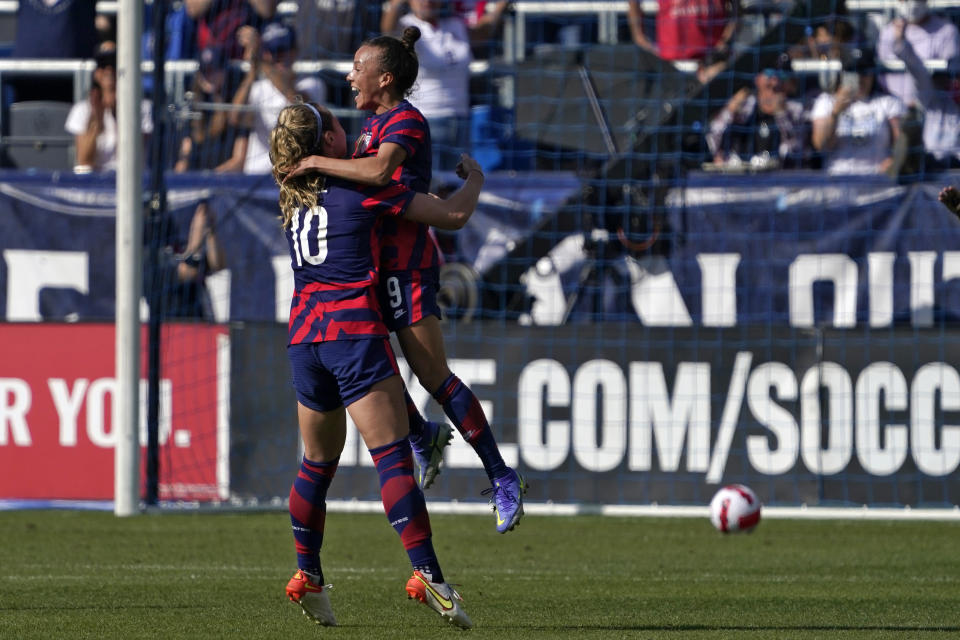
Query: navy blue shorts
(407, 297)
(330, 375)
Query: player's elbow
(377, 173)
(456, 220)
(381, 177)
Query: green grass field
(91, 575)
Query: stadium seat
(37, 139)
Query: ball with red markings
(735, 508)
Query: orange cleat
(312, 598)
(440, 597)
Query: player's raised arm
(454, 211)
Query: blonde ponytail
(295, 137)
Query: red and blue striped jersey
(405, 245)
(332, 248)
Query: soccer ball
(735, 508)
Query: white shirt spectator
(863, 139)
(935, 38)
(442, 89)
(79, 117)
(269, 101)
(941, 115)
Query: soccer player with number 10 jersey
(340, 355)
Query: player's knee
(433, 381)
(431, 372)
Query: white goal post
(128, 264)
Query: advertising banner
(803, 416)
(57, 429)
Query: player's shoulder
(409, 108)
(405, 112)
(345, 193)
(336, 190)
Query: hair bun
(410, 36)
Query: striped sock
(404, 505)
(308, 512)
(463, 409)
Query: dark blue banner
(57, 239)
(807, 249)
(800, 249)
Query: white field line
(543, 509)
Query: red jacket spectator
(686, 29)
(218, 21)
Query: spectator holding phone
(855, 123)
(763, 126)
(93, 122)
(268, 87)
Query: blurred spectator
(938, 110)
(53, 29)
(180, 32)
(182, 270)
(760, 127)
(210, 143)
(824, 41)
(442, 90)
(700, 30)
(269, 86)
(93, 121)
(855, 123)
(931, 37)
(483, 18)
(335, 28)
(218, 21)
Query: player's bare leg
(425, 354)
(422, 345)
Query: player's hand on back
(305, 165)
